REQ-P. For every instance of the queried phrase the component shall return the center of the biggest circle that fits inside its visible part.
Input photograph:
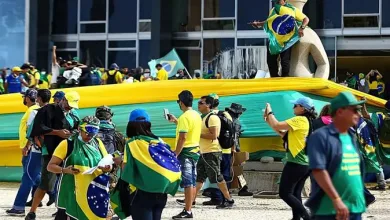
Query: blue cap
(114, 66)
(30, 93)
(139, 115)
(59, 95)
(306, 102)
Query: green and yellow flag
(151, 166)
(282, 28)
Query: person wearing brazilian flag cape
(82, 196)
(150, 172)
(284, 26)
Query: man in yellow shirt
(31, 159)
(187, 149)
(162, 74)
(211, 152)
(35, 76)
(113, 76)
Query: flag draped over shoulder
(282, 29)
(84, 197)
(382, 150)
(151, 166)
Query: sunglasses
(297, 106)
(201, 103)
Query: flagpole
(188, 73)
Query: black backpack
(384, 131)
(111, 79)
(112, 140)
(226, 135)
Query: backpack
(111, 79)
(227, 133)
(384, 131)
(113, 140)
(95, 79)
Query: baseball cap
(114, 66)
(214, 96)
(30, 93)
(305, 102)
(344, 99)
(59, 95)
(139, 115)
(25, 66)
(73, 99)
(16, 69)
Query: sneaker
(52, 200)
(212, 202)
(183, 214)
(14, 212)
(226, 205)
(29, 204)
(370, 202)
(181, 202)
(30, 216)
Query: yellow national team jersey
(206, 145)
(162, 74)
(23, 126)
(297, 134)
(189, 122)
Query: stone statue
(310, 43)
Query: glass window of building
(219, 8)
(209, 25)
(218, 56)
(92, 28)
(385, 16)
(190, 59)
(329, 14)
(122, 44)
(145, 26)
(65, 45)
(145, 9)
(92, 10)
(122, 16)
(249, 11)
(361, 21)
(187, 15)
(64, 17)
(144, 53)
(361, 6)
(252, 42)
(93, 53)
(330, 48)
(123, 58)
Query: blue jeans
(352, 216)
(226, 164)
(188, 172)
(148, 206)
(31, 178)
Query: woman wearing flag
(81, 197)
(284, 26)
(150, 167)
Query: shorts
(188, 172)
(48, 179)
(209, 166)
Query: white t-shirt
(55, 71)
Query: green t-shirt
(347, 181)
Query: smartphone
(74, 169)
(166, 114)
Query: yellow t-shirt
(34, 77)
(206, 145)
(189, 122)
(297, 14)
(118, 75)
(162, 74)
(297, 139)
(46, 85)
(62, 149)
(23, 126)
(373, 84)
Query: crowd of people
(371, 83)
(59, 147)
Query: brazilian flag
(366, 134)
(382, 150)
(282, 29)
(151, 166)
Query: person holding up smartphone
(188, 132)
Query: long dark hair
(311, 115)
(139, 128)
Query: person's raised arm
(54, 56)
